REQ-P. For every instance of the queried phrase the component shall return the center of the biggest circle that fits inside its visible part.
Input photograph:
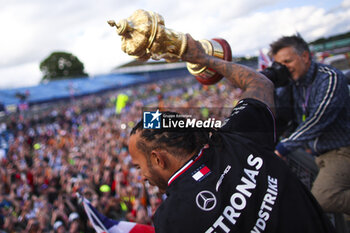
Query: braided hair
(179, 142)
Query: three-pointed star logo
(206, 200)
(156, 115)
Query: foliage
(331, 38)
(62, 65)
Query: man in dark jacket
(318, 96)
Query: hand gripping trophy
(145, 36)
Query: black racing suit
(238, 184)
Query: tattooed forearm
(254, 84)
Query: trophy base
(216, 47)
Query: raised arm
(253, 84)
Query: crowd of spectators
(80, 146)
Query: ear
(306, 56)
(158, 158)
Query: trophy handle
(208, 76)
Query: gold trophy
(145, 36)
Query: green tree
(62, 65)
